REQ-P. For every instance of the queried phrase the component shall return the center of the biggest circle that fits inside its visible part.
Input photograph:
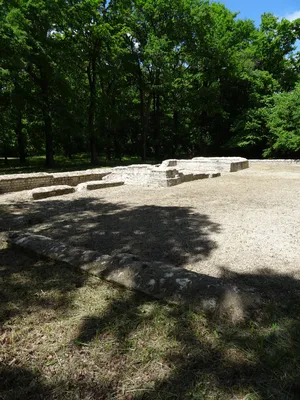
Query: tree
(283, 122)
(148, 77)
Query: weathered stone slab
(50, 191)
(155, 278)
(188, 176)
(145, 175)
(49, 248)
(131, 175)
(227, 164)
(162, 281)
(219, 164)
(93, 185)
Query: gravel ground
(246, 222)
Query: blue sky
(253, 9)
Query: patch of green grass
(65, 335)
(62, 164)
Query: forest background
(150, 79)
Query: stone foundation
(156, 176)
(219, 164)
(18, 182)
(145, 175)
(169, 173)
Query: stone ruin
(168, 173)
(173, 172)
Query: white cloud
(293, 16)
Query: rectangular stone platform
(145, 175)
(50, 191)
(156, 176)
(225, 164)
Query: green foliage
(143, 77)
(283, 122)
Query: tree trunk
(146, 124)
(144, 113)
(5, 154)
(117, 145)
(175, 132)
(202, 142)
(157, 145)
(49, 139)
(143, 123)
(108, 151)
(145, 110)
(19, 107)
(92, 76)
(67, 150)
(47, 119)
(20, 137)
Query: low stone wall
(157, 279)
(18, 182)
(275, 161)
(15, 183)
(162, 281)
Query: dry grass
(69, 336)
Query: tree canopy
(154, 78)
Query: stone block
(94, 185)
(50, 191)
(226, 164)
(157, 279)
(169, 163)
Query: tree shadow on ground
(256, 358)
(28, 284)
(22, 383)
(201, 355)
(159, 233)
(177, 235)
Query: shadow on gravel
(177, 235)
(210, 357)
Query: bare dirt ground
(244, 222)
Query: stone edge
(159, 280)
